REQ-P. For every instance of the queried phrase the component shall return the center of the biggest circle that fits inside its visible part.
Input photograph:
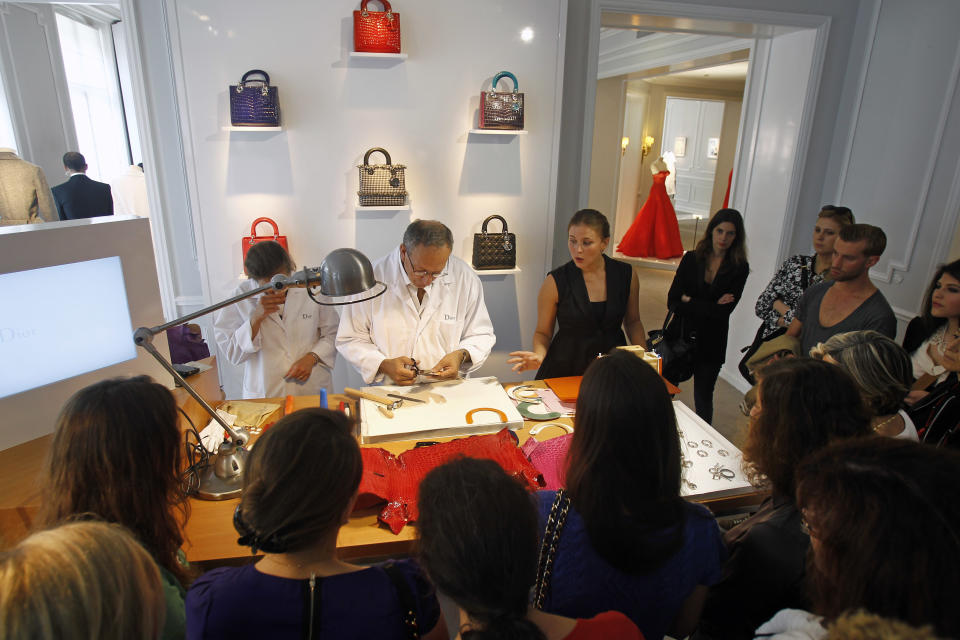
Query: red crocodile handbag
(376, 31)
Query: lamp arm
(239, 438)
(143, 337)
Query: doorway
(648, 40)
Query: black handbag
(253, 102)
(382, 185)
(676, 348)
(937, 415)
(548, 547)
(494, 250)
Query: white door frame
(756, 78)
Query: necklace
(890, 419)
(942, 339)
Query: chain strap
(548, 547)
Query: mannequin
(655, 232)
(25, 196)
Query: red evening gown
(654, 232)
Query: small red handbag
(376, 31)
(253, 238)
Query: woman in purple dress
(300, 486)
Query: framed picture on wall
(713, 148)
(680, 146)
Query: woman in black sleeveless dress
(592, 298)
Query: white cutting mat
(703, 450)
(444, 413)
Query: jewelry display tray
(698, 467)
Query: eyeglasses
(420, 273)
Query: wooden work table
(210, 536)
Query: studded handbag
(376, 31)
(494, 250)
(382, 185)
(502, 109)
(253, 102)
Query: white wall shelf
(235, 128)
(405, 207)
(498, 132)
(496, 272)
(385, 56)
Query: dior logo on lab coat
(447, 316)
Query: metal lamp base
(215, 483)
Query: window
(91, 71)
(7, 137)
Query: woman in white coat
(284, 340)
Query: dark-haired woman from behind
(116, 455)
(630, 543)
(704, 292)
(884, 522)
(478, 543)
(300, 485)
(802, 406)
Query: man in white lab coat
(431, 319)
(284, 341)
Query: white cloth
(923, 363)
(304, 327)
(909, 429)
(130, 193)
(452, 316)
(792, 624)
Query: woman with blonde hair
(883, 372)
(80, 580)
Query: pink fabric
(549, 457)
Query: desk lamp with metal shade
(345, 277)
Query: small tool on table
(388, 404)
(411, 399)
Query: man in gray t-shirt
(850, 302)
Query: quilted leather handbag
(376, 31)
(253, 102)
(494, 250)
(502, 109)
(381, 185)
(253, 238)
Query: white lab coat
(454, 317)
(305, 326)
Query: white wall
(898, 163)
(697, 121)
(36, 86)
(334, 108)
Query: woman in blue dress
(630, 542)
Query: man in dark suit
(81, 197)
